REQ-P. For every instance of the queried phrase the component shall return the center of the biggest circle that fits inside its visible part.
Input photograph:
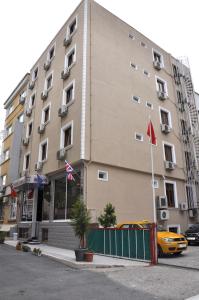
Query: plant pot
(18, 247)
(88, 256)
(79, 253)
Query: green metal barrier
(129, 243)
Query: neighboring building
(90, 96)
(10, 153)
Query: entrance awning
(6, 227)
(32, 179)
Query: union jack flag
(68, 167)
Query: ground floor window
(44, 234)
(27, 205)
(1, 210)
(23, 233)
(46, 202)
(13, 209)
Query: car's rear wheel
(160, 252)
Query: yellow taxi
(167, 242)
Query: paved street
(24, 276)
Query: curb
(178, 267)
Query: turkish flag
(151, 133)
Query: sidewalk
(68, 258)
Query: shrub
(108, 219)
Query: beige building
(11, 153)
(90, 96)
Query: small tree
(80, 219)
(108, 219)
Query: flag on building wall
(151, 133)
(13, 192)
(69, 170)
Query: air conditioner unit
(44, 95)
(67, 41)
(61, 154)
(47, 65)
(162, 202)
(62, 111)
(65, 73)
(31, 85)
(22, 99)
(169, 165)
(163, 214)
(26, 141)
(38, 166)
(157, 64)
(162, 95)
(28, 112)
(165, 128)
(183, 206)
(41, 128)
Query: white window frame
(63, 129)
(40, 150)
(24, 161)
(30, 100)
(43, 113)
(21, 116)
(48, 53)
(139, 134)
(6, 154)
(136, 101)
(66, 57)
(33, 73)
(176, 226)
(173, 151)
(164, 82)
(155, 184)
(149, 103)
(72, 83)
(13, 209)
(104, 173)
(27, 128)
(175, 191)
(169, 115)
(69, 25)
(9, 130)
(161, 56)
(4, 177)
(46, 79)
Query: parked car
(167, 242)
(192, 234)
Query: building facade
(89, 100)
(11, 153)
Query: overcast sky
(27, 27)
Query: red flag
(13, 192)
(151, 133)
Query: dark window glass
(60, 199)
(170, 194)
(67, 137)
(46, 115)
(72, 27)
(165, 117)
(168, 153)
(71, 58)
(43, 151)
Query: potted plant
(88, 256)
(80, 221)
(18, 246)
(36, 252)
(2, 237)
(108, 219)
(26, 248)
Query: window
(145, 72)
(188, 160)
(68, 93)
(171, 193)
(46, 202)
(190, 196)
(21, 118)
(67, 135)
(149, 105)
(26, 161)
(35, 74)
(174, 228)
(155, 184)
(13, 209)
(29, 129)
(176, 74)
(44, 235)
(169, 153)
(9, 110)
(6, 154)
(51, 53)
(179, 97)
(27, 205)
(43, 149)
(158, 58)
(161, 86)
(72, 27)
(143, 44)
(102, 175)
(1, 210)
(136, 99)
(134, 66)
(49, 81)
(45, 115)
(9, 130)
(165, 117)
(32, 100)
(139, 137)
(131, 36)
(70, 58)
(4, 180)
